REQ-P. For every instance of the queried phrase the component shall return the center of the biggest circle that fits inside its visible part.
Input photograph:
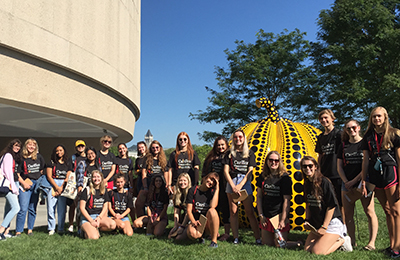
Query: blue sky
(181, 43)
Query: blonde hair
(389, 131)
(25, 152)
(179, 196)
(245, 149)
(104, 137)
(102, 187)
(327, 111)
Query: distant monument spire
(148, 138)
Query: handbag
(70, 190)
(4, 182)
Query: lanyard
(378, 146)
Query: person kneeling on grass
(120, 205)
(157, 205)
(323, 216)
(94, 207)
(202, 200)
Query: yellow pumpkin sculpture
(292, 141)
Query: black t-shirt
(327, 147)
(274, 188)
(217, 166)
(106, 162)
(371, 142)
(352, 156)
(183, 164)
(59, 170)
(89, 169)
(200, 199)
(238, 164)
(120, 202)
(139, 165)
(155, 168)
(123, 166)
(319, 206)
(94, 203)
(158, 201)
(16, 165)
(32, 168)
(75, 159)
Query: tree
(274, 67)
(202, 152)
(358, 57)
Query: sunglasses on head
(305, 166)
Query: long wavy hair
(266, 173)
(54, 157)
(345, 134)
(312, 186)
(389, 131)
(179, 196)
(25, 152)
(162, 159)
(96, 162)
(102, 187)
(9, 149)
(152, 188)
(233, 148)
(145, 147)
(214, 154)
(190, 150)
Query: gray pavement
(41, 216)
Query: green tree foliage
(202, 151)
(273, 67)
(358, 57)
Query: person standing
(381, 164)
(327, 146)
(10, 157)
(349, 165)
(30, 169)
(107, 161)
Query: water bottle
(279, 238)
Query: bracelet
(260, 215)
(323, 227)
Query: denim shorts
(84, 220)
(236, 181)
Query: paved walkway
(41, 217)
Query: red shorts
(270, 228)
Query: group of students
(106, 187)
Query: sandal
(369, 248)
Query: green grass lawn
(139, 246)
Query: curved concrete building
(69, 70)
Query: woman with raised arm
(349, 165)
(322, 212)
(30, 169)
(58, 171)
(94, 207)
(213, 163)
(157, 204)
(238, 171)
(155, 163)
(202, 200)
(183, 159)
(10, 158)
(381, 163)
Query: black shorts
(383, 180)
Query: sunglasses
(182, 139)
(107, 142)
(81, 145)
(273, 160)
(238, 137)
(305, 166)
(354, 128)
(155, 147)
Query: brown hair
(162, 159)
(267, 171)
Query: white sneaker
(51, 232)
(71, 228)
(8, 235)
(347, 244)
